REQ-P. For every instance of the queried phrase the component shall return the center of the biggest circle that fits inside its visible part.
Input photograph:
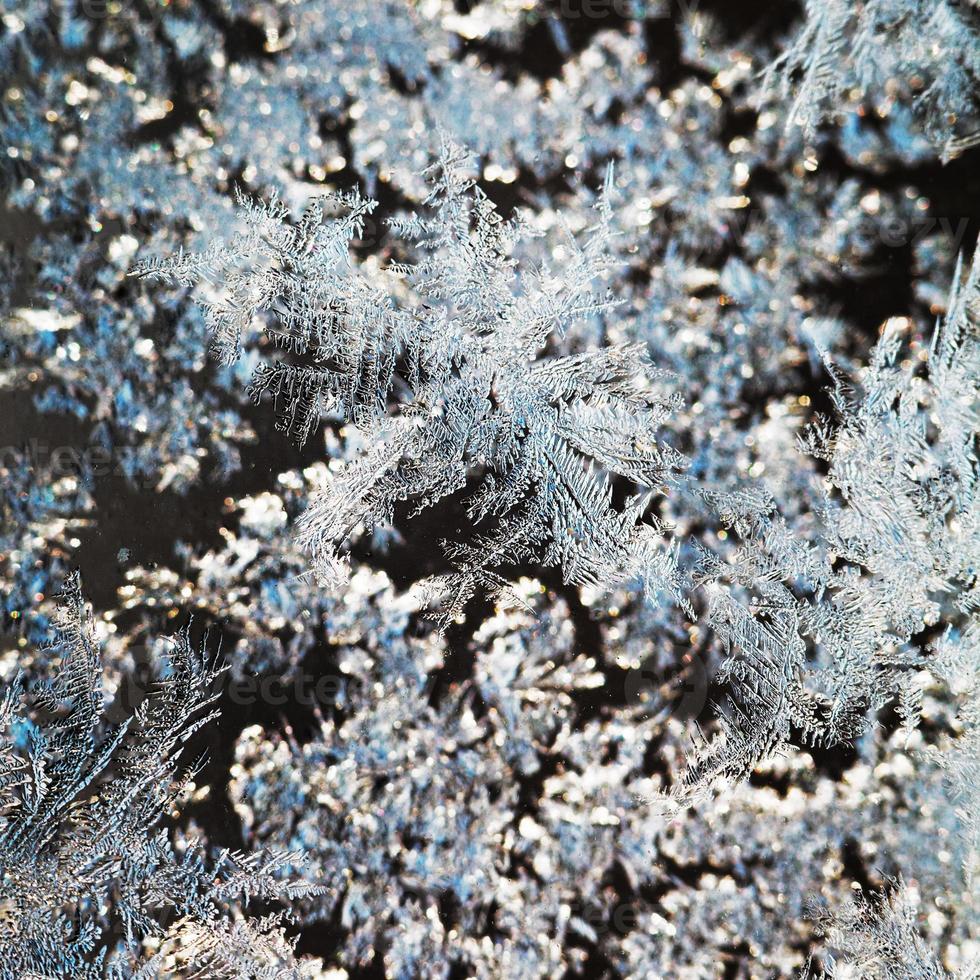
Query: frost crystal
(481, 404)
(87, 874)
(866, 44)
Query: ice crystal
(478, 394)
(827, 631)
(866, 44)
(87, 873)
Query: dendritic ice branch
(822, 633)
(89, 880)
(462, 341)
(876, 937)
(864, 45)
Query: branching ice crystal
(87, 874)
(478, 397)
(826, 632)
(866, 44)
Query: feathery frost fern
(89, 880)
(481, 402)
(822, 633)
(864, 45)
